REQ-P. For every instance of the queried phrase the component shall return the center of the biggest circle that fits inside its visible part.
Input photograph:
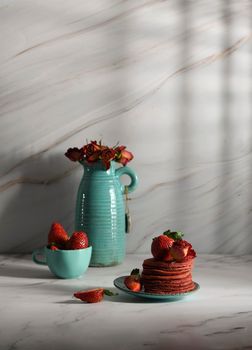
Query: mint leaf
(174, 235)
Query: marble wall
(171, 79)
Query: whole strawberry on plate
(78, 240)
(133, 282)
(161, 245)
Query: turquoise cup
(64, 263)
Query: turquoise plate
(119, 283)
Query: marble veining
(169, 79)
(37, 308)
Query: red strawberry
(191, 254)
(53, 247)
(90, 296)
(167, 256)
(78, 240)
(160, 247)
(180, 249)
(57, 234)
(133, 281)
(93, 295)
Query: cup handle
(36, 252)
(130, 172)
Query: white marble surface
(38, 310)
(170, 79)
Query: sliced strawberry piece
(90, 296)
(180, 249)
(78, 240)
(191, 254)
(93, 295)
(167, 255)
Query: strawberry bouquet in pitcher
(100, 209)
(94, 152)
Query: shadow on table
(121, 298)
(62, 285)
(23, 271)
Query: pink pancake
(162, 277)
(170, 290)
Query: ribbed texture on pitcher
(100, 213)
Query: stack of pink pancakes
(161, 277)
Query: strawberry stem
(135, 272)
(109, 293)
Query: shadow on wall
(43, 189)
(42, 192)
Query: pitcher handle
(36, 252)
(130, 172)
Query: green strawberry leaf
(135, 272)
(174, 235)
(109, 293)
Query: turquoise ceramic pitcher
(100, 211)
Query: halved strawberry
(167, 255)
(57, 235)
(133, 281)
(93, 295)
(180, 249)
(160, 246)
(78, 240)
